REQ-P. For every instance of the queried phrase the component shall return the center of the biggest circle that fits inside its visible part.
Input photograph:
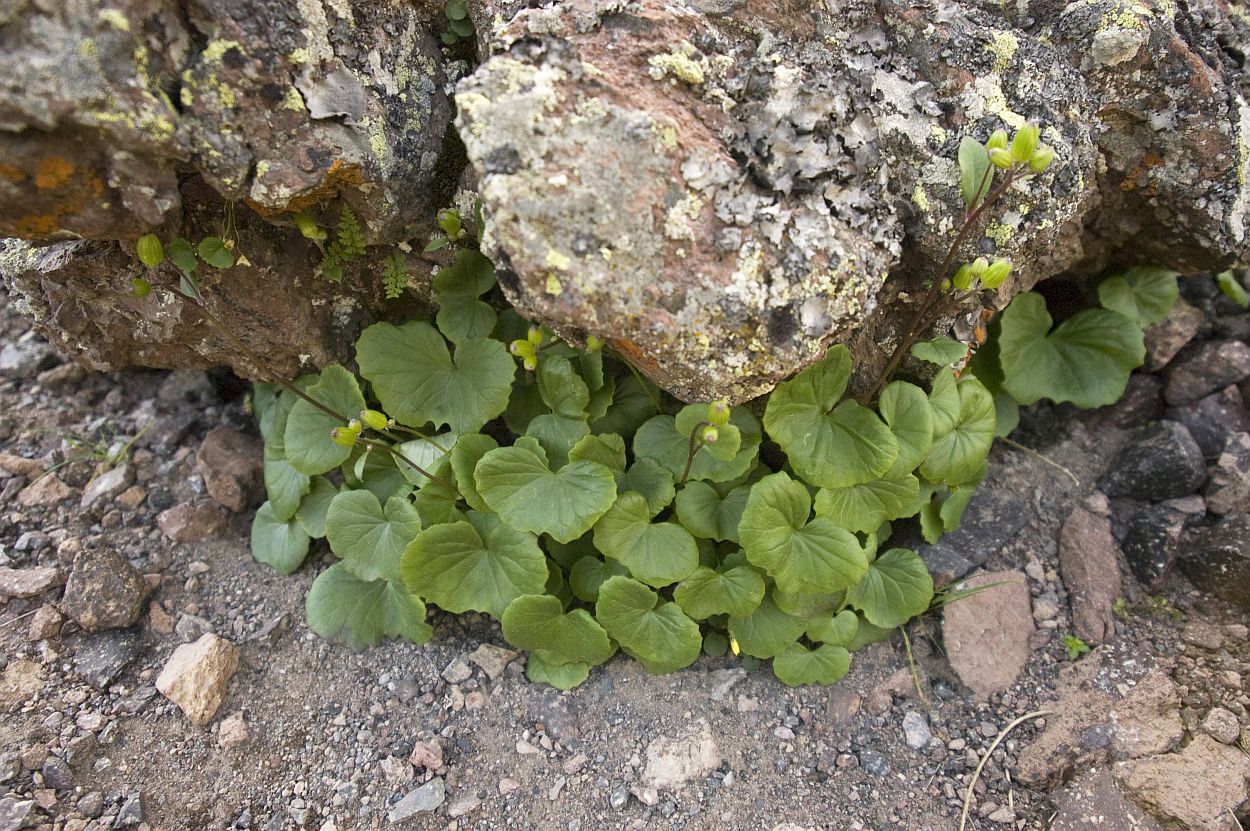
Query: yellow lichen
(677, 222)
(292, 101)
(1000, 233)
(114, 18)
(299, 57)
(553, 284)
(216, 49)
(680, 63)
(1003, 47)
(920, 198)
(558, 260)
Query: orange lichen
(53, 172)
(32, 226)
(12, 173)
(633, 353)
(338, 176)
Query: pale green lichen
(680, 63)
(299, 57)
(677, 222)
(999, 232)
(1003, 47)
(114, 18)
(217, 49)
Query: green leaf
(728, 443)
(1232, 288)
(896, 588)
(655, 632)
(648, 478)
(418, 380)
(706, 592)
(864, 507)
(465, 455)
(958, 454)
(797, 665)
(658, 555)
(313, 508)
(660, 440)
(829, 444)
(557, 434)
(974, 164)
(944, 402)
(370, 537)
(953, 507)
(470, 275)
(279, 543)
(480, 564)
(767, 631)
(806, 606)
(1144, 294)
(803, 557)
(518, 485)
(436, 502)
(906, 408)
(1086, 360)
(588, 574)
(634, 401)
(214, 252)
(460, 319)
(706, 514)
(524, 406)
(838, 630)
(427, 452)
(715, 644)
(182, 255)
(608, 450)
(561, 388)
(941, 350)
(381, 474)
(868, 633)
(284, 485)
(564, 677)
(307, 441)
(538, 622)
(341, 605)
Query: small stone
(424, 800)
(575, 764)
(15, 465)
(104, 590)
(465, 803)
(132, 812)
(192, 627)
(231, 464)
(16, 814)
(1151, 542)
(233, 731)
(457, 672)
(45, 624)
(1211, 420)
(1214, 366)
(645, 794)
(192, 523)
(618, 797)
(105, 487)
(1160, 461)
(1229, 489)
(492, 659)
(508, 786)
(1093, 801)
(1190, 789)
(100, 658)
(20, 683)
(427, 754)
(987, 636)
(1091, 572)
(874, 763)
(28, 582)
(1046, 606)
(916, 730)
(57, 775)
(1222, 725)
(1170, 335)
(1203, 634)
(44, 491)
(61, 377)
(1003, 815)
(25, 358)
(159, 620)
(196, 675)
(671, 763)
(91, 805)
(724, 680)
(186, 386)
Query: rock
(555, 713)
(1147, 720)
(1151, 541)
(1213, 777)
(61, 378)
(104, 590)
(508, 786)
(45, 624)
(465, 803)
(916, 730)
(492, 659)
(672, 763)
(1142, 402)
(100, 658)
(1091, 571)
(132, 812)
(423, 800)
(724, 680)
(233, 469)
(25, 358)
(10, 766)
(427, 754)
(1077, 735)
(196, 675)
(1215, 365)
(16, 465)
(987, 636)
(1228, 491)
(1093, 802)
(20, 682)
(28, 582)
(191, 523)
(233, 731)
(91, 805)
(1217, 559)
(457, 672)
(1222, 726)
(16, 814)
(1213, 419)
(191, 627)
(1202, 634)
(874, 762)
(107, 485)
(186, 386)
(1173, 333)
(1161, 461)
(44, 491)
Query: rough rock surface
(1093, 802)
(671, 763)
(231, 464)
(987, 639)
(104, 591)
(1161, 461)
(196, 675)
(1229, 489)
(1147, 720)
(1087, 561)
(1217, 559)
(1214, 784)
(28, 582)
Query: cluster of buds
(989, 275)
(717, 417)
(1023, 149)
(347, 436)
(594, 343)
(449, 220)
(527, 349)
(309, 228)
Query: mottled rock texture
(720, 188)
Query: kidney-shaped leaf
(661, 440)
(370, 537)
(766, 631)
(280, 543)
(705, 514)
(361, 612)
(896, 588)
(865, 506)
(306, 440)
(657, 633)
(839, 629)
(797, 665)
(538, 622)
(958, 455)
(706, 592)
(1144, 294)
(562, 677)
(906, 408)
(284, 485)
(657, 554)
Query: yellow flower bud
(1001, 158)
(1041, 158)
(593, 343)
(151, 252)
(1024, 143)
(308, 226)
(376, 420)
(996, 274)
(535, 335)
(141, 288)
(718, 412)
(709, 434)
(998, 141)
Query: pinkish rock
(1170, 335)
(1147, 720)
(987, 634)
(28, 582)
(44, 491)
(1197, 788)
(1091, 572)
(232, 464)
(190, 523)
(196, 675)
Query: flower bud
(996, 274)
(978, 267)
(530, 362)
(535, 335)
(1024, 143)
(1041, 158)
(521, 348)
(709, 434)
(376, 420)
(963, 278)
(998, 141)
(718, 412)
(1001, 158)
(140, 287)
(344, 436)
(151, 252)
(449, 221)
(593, 343)
(308, 226)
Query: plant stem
(390, 448)
(920, 322)
(976, 774)
(911, 664)
(696, 444)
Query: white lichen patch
(1116, 45)
(678, 219)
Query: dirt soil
(311, 735)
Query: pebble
(508, 786)
(1222, 726)
(457, 672)
(196, 675)
(492, 659)
(916, 730)
(107, 485)
(422, 800)
(427, 754)
(618, 797)
(28, 582)
(104, 590)
(874, 762)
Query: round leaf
(588, 574)
(906, 408)
(658, 555)
(839, 629)
(538, 622)
(864, 507)
(797, 665)
(896, 588)
(1144, 294)
(313, 508)
(766, 631)
(563, 677)
(306, 440)
(705, 514)
(370, 537)
(278, 543)
(659, 439)
(284, 485)
(657, 633)
(214, 252)
(958, 455)
(341, 605)
(706, 592)
(648, 478)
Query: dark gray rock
(1150, 543)
(132, 812)
(1212, 367)
(104, 590)
(1229, 489)
(57, 775)
(1093, 802)
(1217, 559)
(874, 762)
(997, 511)
(1141, 403)
(101, 658)
(555, 713)
(1160, 461)
(1211, 420)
